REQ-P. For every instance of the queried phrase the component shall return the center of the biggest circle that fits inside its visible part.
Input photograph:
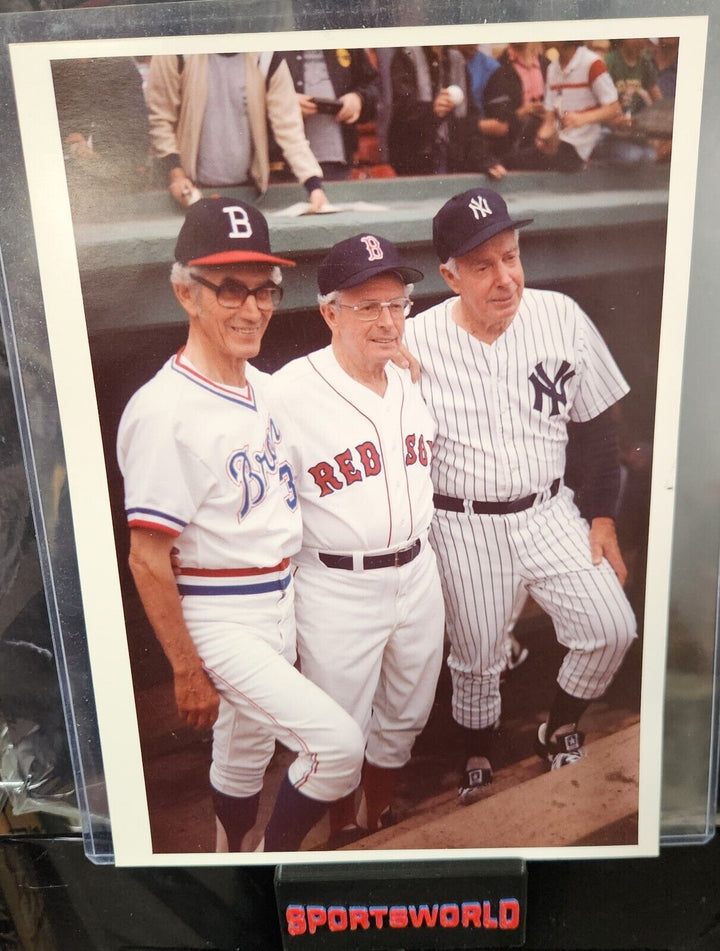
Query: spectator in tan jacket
(209, 114)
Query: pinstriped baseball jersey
(361, 460)
(225, 490)
(502, 409)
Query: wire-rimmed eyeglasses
(371, 309)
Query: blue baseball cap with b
(357, 259)
(469, 220)
(225, 231)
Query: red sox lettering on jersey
(363, 462)
(373, 492)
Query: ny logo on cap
(239, 222)
(375, 252)
(479, 207)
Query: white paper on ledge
(305, 208)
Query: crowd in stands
(190, 122)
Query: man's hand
(443, 104)
(495, 128)
(604, 544)
(350, 109)
(196, 698)
(407, 361)
(573, 120)
(182, 188)
(496, 171)
(307, 106)
(546, 137)
(318, 200)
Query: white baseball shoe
(563, 748)
(478, 778)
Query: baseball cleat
(478, 778)
(566, 747)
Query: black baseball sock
(292, 818)
(237, 816)
(565, 710)
(479, 742)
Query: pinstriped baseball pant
(484, 559)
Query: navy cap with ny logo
(219, 231)
(468, 220)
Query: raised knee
(350, 753)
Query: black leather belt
(492, 508)
(392, 559)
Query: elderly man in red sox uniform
(368, 600)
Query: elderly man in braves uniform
(206, 471)
(369, 604)
(505, 370)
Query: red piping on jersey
(233, 391)
(234, 572)
(405, 468)
(140, 523)
(377, 434)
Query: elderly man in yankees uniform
(505, 370)
(206, 471)
(369, 604)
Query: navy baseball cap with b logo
(219, 231)
(357, 259)
(469, 220)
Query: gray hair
(334, 296)
(451, 263)
(182, 273)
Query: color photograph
(368, 361)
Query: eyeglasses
(371, 309)
(231, 293)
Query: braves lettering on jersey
(226, 490)
(502, 411)
(370, 637)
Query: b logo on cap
(375, 252)
(479, 206)
(239, 222)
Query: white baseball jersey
(206, 462)
(583, 85)
(371, 638)
(361, 460)
(502, 409)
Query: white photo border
(70, 352)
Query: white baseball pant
(247, 644)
